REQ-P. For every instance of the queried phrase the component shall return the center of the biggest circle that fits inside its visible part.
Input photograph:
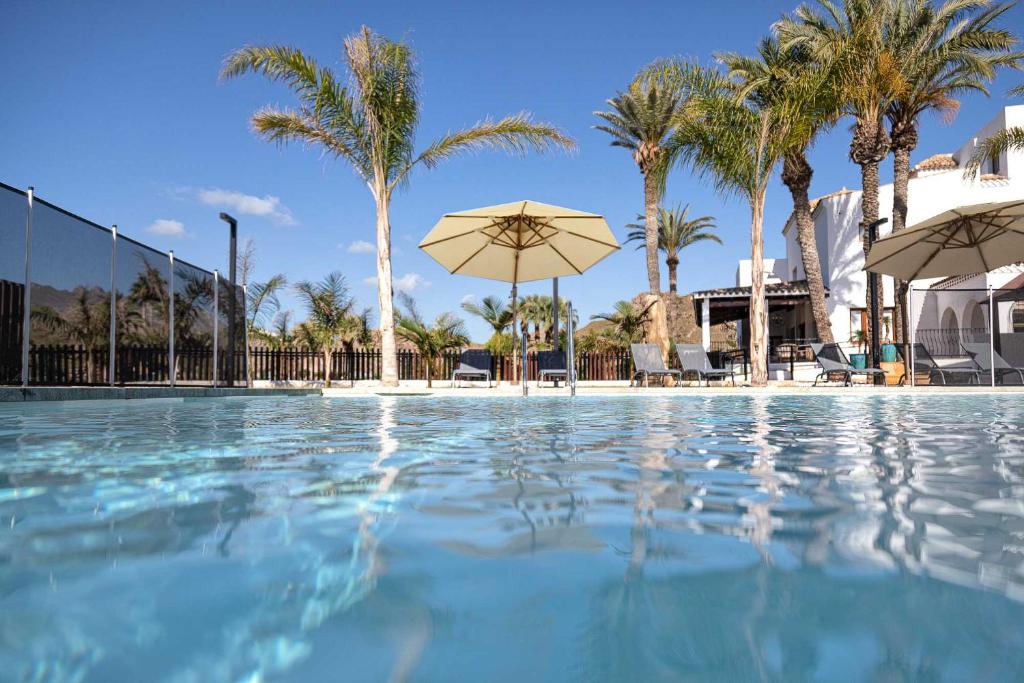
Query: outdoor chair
(473, 363)
(833, 361)
(551, 366)
(923, 361)
(979, 353)
(647, 362)
(693, 359)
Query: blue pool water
(852, 537)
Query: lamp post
(232, 312)
(873, 283)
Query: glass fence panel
(232, 345)
(141, 281)
(69, 334)
(1008, 335)
(193, 324)
(13, 215)
(952, 336)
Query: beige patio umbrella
(962, 241)
(519, 242)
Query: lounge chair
(647, 362)
(923, 361)
(551, 366)
(693, 358)
(833, 361)
(979, 353)
(474, 363)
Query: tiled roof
(937, 162)
(992, 177)
(794, 288)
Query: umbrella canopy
(962, 241)
(519, 242)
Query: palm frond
(1008, 139)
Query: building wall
(837, 220)
(774, 271)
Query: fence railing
(82, 304)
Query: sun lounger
(647, 362)
(924, 362)
(473, 363)
(986, 359)
(693, 359)
(551, 366)
(833, 361)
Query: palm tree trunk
(651, 233)
(869, 147)
(430, 374)
(385, 295)
(797, 174)
(904, 141)
(327, 367)
(758, 309)
(672, 264)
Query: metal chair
(648, 362)
(474, 363)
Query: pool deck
(371, 389)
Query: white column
(705, 323)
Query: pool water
(846, 537)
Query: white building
(937, 184)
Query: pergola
(726, 304)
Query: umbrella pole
(515, 335)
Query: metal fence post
(216, 322)
(112, 358)
(26, 322)
(912, 329)
(991, 338)
(245, 334)
(171, 370)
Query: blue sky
(113, 110)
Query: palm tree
(628, 322)
(789, 75)
(263, 302)
(492, 310)
(87, 323)
(371, 123)
(431, 340)
(736, 142)
(641, 120)
(1006, 140)
(857, 39)
(675, 233)
(329, 310)
(944, 51)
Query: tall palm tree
(856, 38)
(736, 142)
(263, 302)
(944, 51)
(782, 75)
(431, 340)
(371, 123)
(641, 120)
(675, 232)
(329, 310)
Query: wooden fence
(75, 365)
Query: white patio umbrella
(961, 241)
(519, 242)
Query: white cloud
(267, 206)
(166, 227)
(360, 247)
(468, 299)
(406, 283)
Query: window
(1017, 317)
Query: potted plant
(860, 359)
(888, 349)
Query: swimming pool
(426, 538)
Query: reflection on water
(774, 538)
